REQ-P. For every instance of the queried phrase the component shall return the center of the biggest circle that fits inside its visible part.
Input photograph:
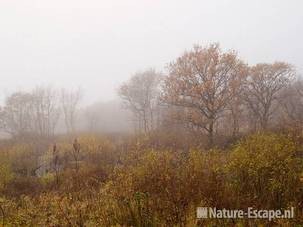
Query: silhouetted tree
(140, 95)
(263, 87)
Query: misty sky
(98, 44)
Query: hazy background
(98, 44)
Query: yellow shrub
(264, 171)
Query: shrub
(264, 171)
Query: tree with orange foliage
(204, 81)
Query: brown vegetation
(214, 132)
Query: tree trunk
(211, 134)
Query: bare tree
(262, 89)
(291, 105)
(37, 112)
(70, 101)
(45, 111)
(15, 116)
(204, 81)
(30, 113)
(140, 95)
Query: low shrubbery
(147, 187)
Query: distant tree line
(206, 90)
(36, 113)
(215, 92)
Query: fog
(100, 125)
(99, 44)
(139, 112)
